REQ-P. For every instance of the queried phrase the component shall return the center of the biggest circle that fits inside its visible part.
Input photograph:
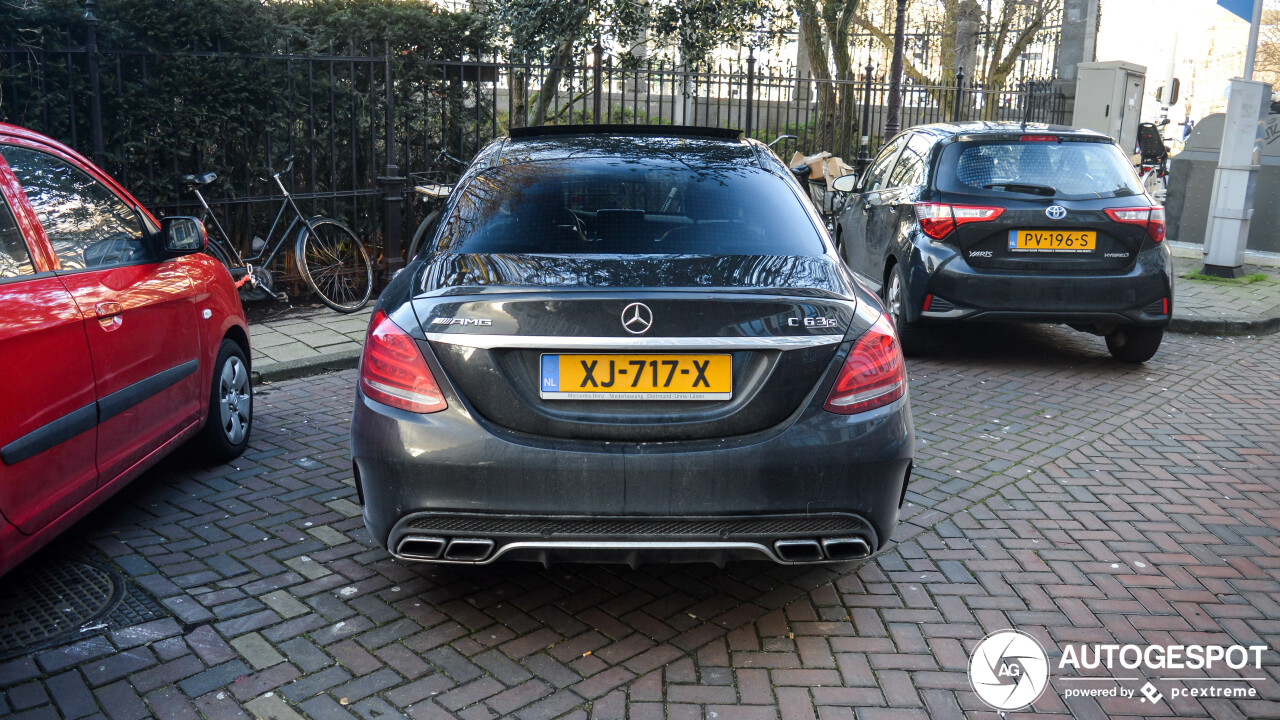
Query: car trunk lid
(496, 323)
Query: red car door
(48, 416)
(140, 313)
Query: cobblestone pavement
(1056, 491)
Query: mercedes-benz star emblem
(637, 318)
(1055, 212)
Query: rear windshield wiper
(1023, 188)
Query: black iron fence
(359, 120)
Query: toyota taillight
(1151, 218)
(873, 375)
(937, 220)
(393, 371)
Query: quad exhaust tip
(846, 548)
(415, 547)
(420, 548)
(468, 550)
(838, 549)
(798, 550)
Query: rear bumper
(960, 292)
(431, 480)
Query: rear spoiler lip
(690, 131)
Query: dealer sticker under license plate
(636, 377)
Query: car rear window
(579, 207)
(1065, 169)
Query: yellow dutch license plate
(636, 377)
(1053, 240)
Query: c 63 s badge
(461, 321)
(812, 322)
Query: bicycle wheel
(333, 261)
(220, 253)
(421, 235)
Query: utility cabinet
(1109, 99)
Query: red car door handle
(107, 310)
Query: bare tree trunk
(519, 98)
(816, 48)
(551, 83)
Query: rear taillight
(393, 371)
(1155, 226)
(1038, 138)
(937, 220)
(873, 375)
(1152, 218)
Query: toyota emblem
(1055, 212)
(637, 318)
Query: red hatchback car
(120, 339)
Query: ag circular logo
(1008, 670)
(1055, 212)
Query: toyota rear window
(1066, 169)
(576, 207)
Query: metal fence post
(864, 148)
(95, 87)
(1028, 89)
(393, 184)
(955, 111)
(598, 67)
(751, 88)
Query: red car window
(15, 259)
(87, 224)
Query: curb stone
(304, 367)
(1198, 326)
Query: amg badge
(461, 321)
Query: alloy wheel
(894, 299)
(234, 400)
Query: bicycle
(435, 186)
(331, 259)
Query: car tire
(226, 431)
(1134, 344)
(894, 295)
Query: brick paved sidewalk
(1056, 491)
(294, 342)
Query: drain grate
(43, 602)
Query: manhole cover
(40, 604)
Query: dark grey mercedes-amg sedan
(630, 344)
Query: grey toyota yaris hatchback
(630, 344)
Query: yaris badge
(1055, 212)
(637, 318)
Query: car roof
(699, 146)
(1004, 128)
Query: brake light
(937, 220)
(873, 375)
(1039, 138)
(1151, 218)
(1155, 226)
(393, 371)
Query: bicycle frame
(270, 248)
